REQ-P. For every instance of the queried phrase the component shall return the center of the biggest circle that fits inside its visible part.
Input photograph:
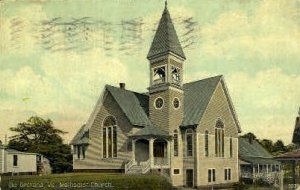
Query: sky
(57, 55)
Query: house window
(115, 141)
(74, 149)
(175, 138)
(109, 138)
(227, 174)
(78, 151)
(211, 175)
(83, 151)
(206, 144)
(176, 171)
(15, 160)
(230, 147)
(104, 143)
(189, 142)
(219, 139)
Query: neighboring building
(186, 132)
(13, 162)
(292, 158)
(257, 163)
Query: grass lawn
(83, 181)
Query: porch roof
(254, 153)
(151, 131)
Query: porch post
(133, 150)
(151, 140)
(168, 152)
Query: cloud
(267, 102)
(66, 88)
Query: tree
(267, 144)
(249, 135)
(40, 136)
(279, 148)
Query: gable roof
(81, 136)
(165, 39)
(151, 131)
(254, 152)
(135, 106)
(132, 104)
(197, 95)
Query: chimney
(122, 85)
(250, 140)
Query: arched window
(189, 142)
(219, 138)
(109, 137)
(206, 143)
(175, 139)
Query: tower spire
(165, 40)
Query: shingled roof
(253, 152)
(196, 98)
(133, 104)
(151, 131)
(165, 39)
(136, 106)
(81, 137)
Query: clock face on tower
(159, 102)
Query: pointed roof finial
(166, 3)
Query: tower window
(176, 103)
(159, 75)
(206, 143)
(175, 75)
(175, 138)
(230, 147)
(159, 102)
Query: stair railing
(129, 165)
(146, 167)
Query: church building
(187, 132)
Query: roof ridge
(204, 79)
(141, 93)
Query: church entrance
(141, 151)
(160, 152)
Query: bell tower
(166, 59)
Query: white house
(13, 162)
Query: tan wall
(94, 158)
(218, 108)
(26, 163)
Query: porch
(149, 153)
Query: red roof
(289, 155)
